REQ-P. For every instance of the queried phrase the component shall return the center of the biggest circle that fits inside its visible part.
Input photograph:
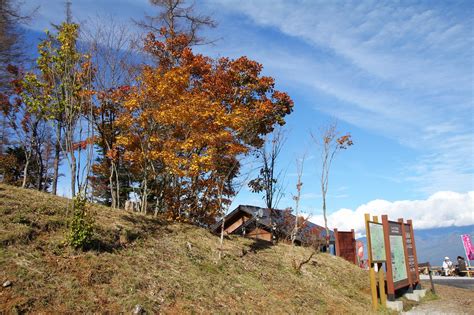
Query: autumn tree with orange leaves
(187, 121)
(172, 130)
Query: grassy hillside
(171, 268)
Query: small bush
(82, 224)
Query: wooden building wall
(260, 234)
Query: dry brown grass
(170, 268)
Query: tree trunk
(221, 241)
(39, 182)
(144, 195)
(57, 154)
(73, 175)
(37, 152)
(117, 186)
(25, 172)
(4, 134)
(325, 222)
(112, 188)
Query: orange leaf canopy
(193, 116)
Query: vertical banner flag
(360, 253)
(466, 241)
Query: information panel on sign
(377, 242)
(399, 267)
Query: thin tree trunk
(73, 174)
(3, 143)
(39, 182)
(57, 154)
(325, 222)
(37, 152)
(112, 188)
(4, 134)
(221, 244)
(117, 186)
(25, 172)
(144, 195)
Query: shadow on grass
(111, 240)
(259, 245)
(101, 246)
(143, 223)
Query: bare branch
(330, 143)
(179, 19)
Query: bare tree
(299, 184)
(113, 50)
(269, 180)
(179, 18)
(330, 142)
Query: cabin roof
(265, 218)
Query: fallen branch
(298, 266)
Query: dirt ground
(451, 301)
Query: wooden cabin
(268, 225)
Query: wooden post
(431, 279)
(381, 277)
(405, 251)
(417, 280)
(383, 296)
(373, 285)
(354, 243)
(388, 257)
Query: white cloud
(442, 209)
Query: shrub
(82, 224)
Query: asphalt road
(459, 282)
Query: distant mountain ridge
(432, 245)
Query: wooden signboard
(391, 243)
(401, 264)
(397, 255)
(346, 245)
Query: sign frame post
(373, 286)
(381, 277)
(388, 257)
(378, 278)
(405, 249)
(417, 271)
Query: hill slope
(171, 268)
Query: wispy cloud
(404, 71)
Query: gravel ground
(451, 300)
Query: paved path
(438, 308)
(451, 300)
(459, 282)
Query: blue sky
(397, 75)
